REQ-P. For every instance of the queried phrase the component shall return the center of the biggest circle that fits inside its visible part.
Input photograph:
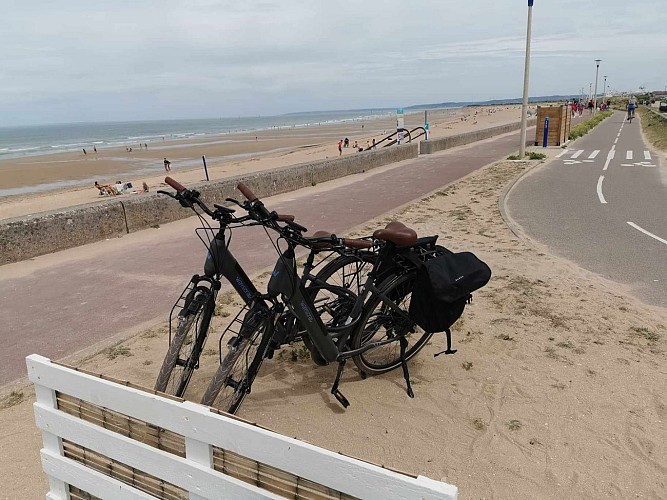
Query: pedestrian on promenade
(574, 108)
(167, 165)
(340, 147)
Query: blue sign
(546, 132)
(530, 3)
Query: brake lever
(168, 194)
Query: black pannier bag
(443, 287)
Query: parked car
(663, 107)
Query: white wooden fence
(103, 439)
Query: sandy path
(559, 388)
(272, 149)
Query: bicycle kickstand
(334, 390)
(404, 364)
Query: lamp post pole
(526, 73)
(604, 88)
(595, 95)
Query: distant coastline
(36, 140)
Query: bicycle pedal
(341, 399)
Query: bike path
(59, 304)
(602, 204)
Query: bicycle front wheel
(187, 343)
(237, 371)
(379, 322)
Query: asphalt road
(602, 204)
(62, 303)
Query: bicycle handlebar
(284, 218)
(246, 191)
(175, 184)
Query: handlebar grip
(175, 184)
(246, 192)
(353, 243)
(285, 218)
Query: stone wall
(435, 145)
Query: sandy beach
(558, 390)
(227, 155)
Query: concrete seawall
(39, 234)
(433, 146)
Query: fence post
(546, 132)
(47, 397)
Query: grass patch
(531, 155)
(478, 424)
(649, 335)
(514, 425)
(14, 398)
(116, 351)
(654, 127)
(585, 127)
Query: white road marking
(611, 155)
(647, 155)
(576, 155)
(570, 162)
(647, 233)
(562, 153)
(628, 155)
(606, 164)
(593, 154)
(615, 140)
(602, 200)
(613, 147)
(588, 161)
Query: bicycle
(374, 321)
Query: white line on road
(613, 147)
(615, 140)
(593, 154)
(602, 200)
(647, 233)
(647, 155)
(562, 153)
(576, 155)
(611, 155)
(606, 164)
(628, 155)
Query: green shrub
(585, 127)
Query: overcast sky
(108, 60)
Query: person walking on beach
(167, 165)
(84, 151)
(94, 149)
(340, 147)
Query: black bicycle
(372, 326)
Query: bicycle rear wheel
(379, 322)
(237, 371)
(187, 343)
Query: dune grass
(585, 127)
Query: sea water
(19, 142)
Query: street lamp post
(526, 73)
(604, 88)
(595, 95)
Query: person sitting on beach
(145, 186)
(105, 190)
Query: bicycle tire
(184, 350)
(237, 371)
(379, 322)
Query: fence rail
(104, 438)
